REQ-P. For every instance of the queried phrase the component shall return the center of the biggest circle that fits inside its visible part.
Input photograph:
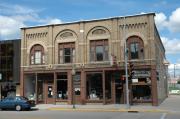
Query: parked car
(18, 103)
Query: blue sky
(19, 13)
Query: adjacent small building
(9, 67)
(83, 62)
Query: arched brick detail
(139, 41)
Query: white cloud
(54, 21)
(9, 27)
(15, 16)
(176, 66)
(169, 45)
(161, 20)
(172, 22)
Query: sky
(15, 14)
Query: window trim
(93, 53)
(132, 40)
(61, 56)
(34, 49)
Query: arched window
(136, 47)
(37, 55)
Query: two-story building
(83, 62)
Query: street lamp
(126, 71)
(73, 72)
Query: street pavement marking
(163, 116)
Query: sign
(135, 80)
(141, 74)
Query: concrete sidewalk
(171, 104)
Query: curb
(108, 110)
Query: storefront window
(141, 93)
(108, 85)
(40, 90)
(29, 87)
(77, 84)
(62, 92)
(94, 86)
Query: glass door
(49, 94)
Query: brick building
(83, 62)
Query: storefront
(142, 86)
(84, 87)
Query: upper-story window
(136, 47)
(66, 52)
(99, 50)
(37, 55)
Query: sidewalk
(171, 104)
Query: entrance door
(119, 91)
(49, 93)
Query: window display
(94, 86)
(62, 92)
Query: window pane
(92, 58)
(99, 53)
(61, 56)
(73, 55)
(67, 51)
(37, 57)
(106, 57)
(32, 59)
(67, 59)
(134, 50)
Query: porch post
(104, 90)
(69, 87)
(113, 91)
(83, 87)
(55, 87)
(36, 87)
(154, 86)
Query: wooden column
(55, 87)
(113, 91)
(36, 87)
(70, 87)
(154, 86)
(83, 87)
(104, 88)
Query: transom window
(136, 48)
(99, 50)
(66, 52)
(37, 55)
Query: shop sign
(141, 73)
(135, 80)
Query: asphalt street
(46, 114)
